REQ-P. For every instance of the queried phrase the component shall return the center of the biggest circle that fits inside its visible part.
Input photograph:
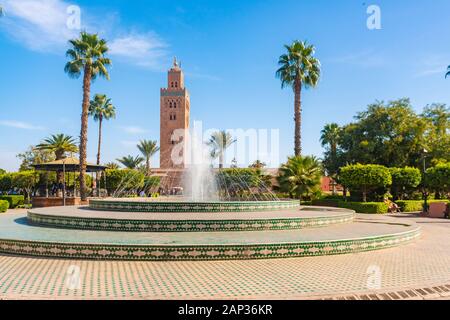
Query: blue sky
(229, 51)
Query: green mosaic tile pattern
(197, 252)
(16, 237)
(146, 225)
(160, 206)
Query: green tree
(365, 178)
(387, 134)
(34, 156)
(25, 181)
(148, 149)
(300, 176)
(131, 162)
(437, 179)
(5, 182)
(437, 135)
(404, 181)
(298, 68)
(101, 108)
(219, 142)
(87, 57)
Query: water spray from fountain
(199, 179)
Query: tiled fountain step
(87, 219)
(17, 237)
(183, 205)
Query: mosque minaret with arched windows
(174, 118)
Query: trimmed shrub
(365, 178)
(5, 182)
(414, 205)
(404, 180)
(4, 205)
(326, 202)
(365, 207)
(410, 205)
(438, 178)
(13, 200)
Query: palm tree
(131, 162)
(298, 68)
(300, 176)
(88, 58)
(112, 165)
(148, 148)
(330, 135)
(219, 142)
(101, 109)
(59, 144)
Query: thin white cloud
(366, 58)
(40, 25)
(128, 143)
(20, 125)
(432, 65)
(133, 129)
(145, 50)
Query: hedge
(360, 207)
(365, 207)
(14, 200)
(326, 202)
(413, 205)
(4, 205)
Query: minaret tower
(174, 119)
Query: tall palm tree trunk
(298, 118)
(147, 166)
(98, 175)
(84, 128)
(100, 120)
(221, 160)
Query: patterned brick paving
(421, 264)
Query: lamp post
(64, 182)
(425, 193)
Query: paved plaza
(418, 265)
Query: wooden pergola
(68, 165)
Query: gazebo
(62, 196)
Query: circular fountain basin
(85, 218)
(151, 205)
(20, 238)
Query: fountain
(199, 226)
(199, 180)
